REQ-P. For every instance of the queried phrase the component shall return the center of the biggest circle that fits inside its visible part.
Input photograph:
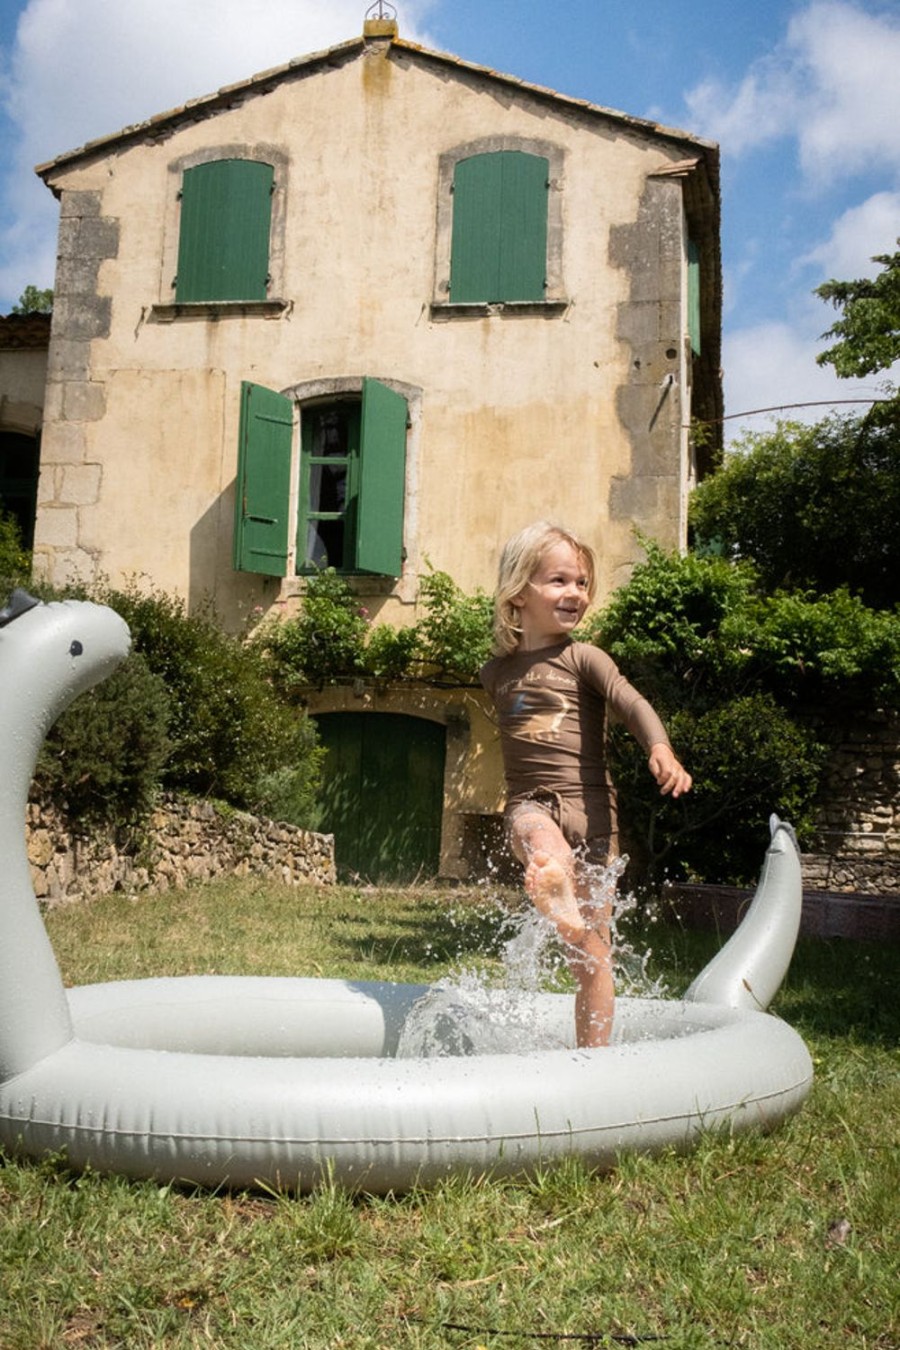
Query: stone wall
(857, 845)
(185, 841)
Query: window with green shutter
(499, 239)
(693, 295)
(352, 482)
(223, 243)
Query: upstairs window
(351, 483)
(499, 229)
(223, 243)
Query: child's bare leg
(550, 881)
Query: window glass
(330, 452)
(352, 480)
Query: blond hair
(519, 560)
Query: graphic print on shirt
(537, 712)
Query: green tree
(813, 507)
(868, 332)
(33, 300)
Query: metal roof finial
(381, 20)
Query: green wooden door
(383, 794)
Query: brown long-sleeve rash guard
(553, 707)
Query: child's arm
(671, 776)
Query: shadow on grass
(834, 987)
(426, 932)
(845, 989)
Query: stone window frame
(166, 308)
(330, 389)
(555, 298)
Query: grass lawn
(769, 1242)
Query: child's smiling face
(553, 602)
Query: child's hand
(671, 776)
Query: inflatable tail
(749, 969)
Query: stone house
(376, 309)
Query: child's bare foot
(549, 883)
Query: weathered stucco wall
(575, 407)
(519, 414)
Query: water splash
(505, 1010)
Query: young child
(553, 698)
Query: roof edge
(208, 103)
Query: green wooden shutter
(382, 478)
(499, 247)
(523, 249)
(263, 486)
(223, 247)
(693, 295)
(382, 794)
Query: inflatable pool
(245, 1081)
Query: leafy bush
(455, 634)
(822, 647)
(229, 730)
(666, 626)
(391, 653)
(748, 758)
(323, 642)
(331, 639)
(102, 760)
(688, 631)
(15, 561)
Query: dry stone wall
(184, 841)
(857, 845)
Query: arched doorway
(19, 466)
(383, 794)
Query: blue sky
(803, 97)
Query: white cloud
(762, 108)
(771, 366)
(852, 59)
(86, 68)
(856, 237)
(831, 84)
(82, 69)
